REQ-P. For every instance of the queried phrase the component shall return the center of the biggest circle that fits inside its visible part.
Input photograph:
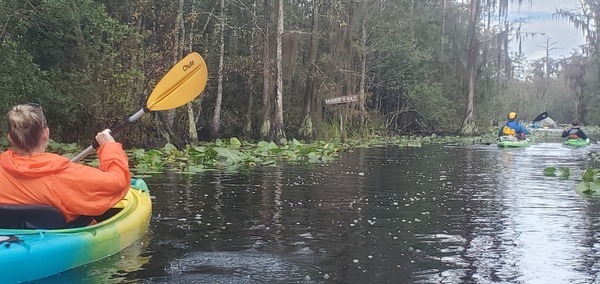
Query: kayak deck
(577, 142)
(511, 142)
(24, 253)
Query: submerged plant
(589, 175)
(590, 181)
(550, 171)
(589, 178)
(564, 172)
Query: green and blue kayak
(513, 143)
(31, 254)
(577, 142)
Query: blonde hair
(26, 125)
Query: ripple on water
(233, 267)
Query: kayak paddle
(541, 116)
(183, 83)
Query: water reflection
(437, 214)
(119, 268)
(544, 217)
(519, 226)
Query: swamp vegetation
(419, 67)
(416, 67)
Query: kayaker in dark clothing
(513, 128)
(31, 176)
(574, 132)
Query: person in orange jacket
(29, 175)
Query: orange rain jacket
(75, 189)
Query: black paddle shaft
(114, 132)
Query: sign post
(341, 100)
(344, 113)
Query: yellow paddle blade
(183, 83)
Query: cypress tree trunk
(363, 73)
(265, 126)
(247, 131)
(468, 127)
(278, 123)
(216, 119)
(192, 129)
(306, 130)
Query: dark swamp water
(436, 214)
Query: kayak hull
(514, 143)
(35, 254)
(577, 142)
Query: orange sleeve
(92, 191)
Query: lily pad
(588, 189)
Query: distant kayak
(577, 142)
(511, 142)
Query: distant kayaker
(29, 175)
(513, 128)
(574, 132)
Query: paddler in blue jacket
(513, 128)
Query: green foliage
(589, 190)
(90, 63)
(21, 80)
(329, 130)
(234, 142)
(66, 56)
(4, 143)
(62, 148)
(590, 175)
(590, 180)
(148, 161)
(437, 111)
(550, 171)
(196, 159)
(565, 172)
